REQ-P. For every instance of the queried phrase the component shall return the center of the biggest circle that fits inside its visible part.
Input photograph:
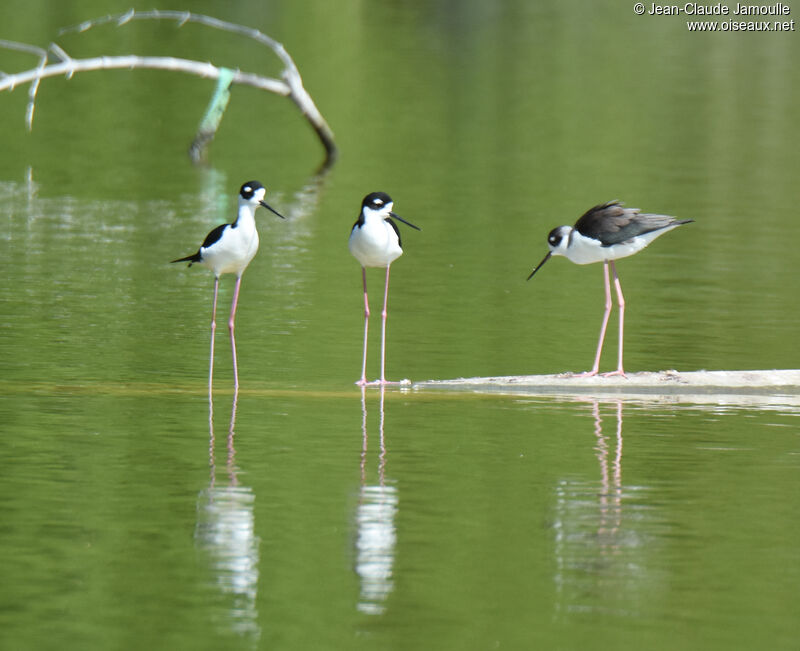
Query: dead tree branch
(290, 85)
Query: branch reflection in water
(225, 530)
(600, 551)
(375, 521)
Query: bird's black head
(557, 240)
(555, 237)
(376, 200)
(249, 189)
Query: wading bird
(375, 242)
(604, 234)
(229, 248)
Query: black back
(214, 235)
(610, 223)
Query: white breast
(375, 243)
(584, 250)
(232, 252)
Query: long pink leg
(621, 303)
(384, 314)
(213, 330)
(596, 366)
(233, 339)
(363, 381)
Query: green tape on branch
(218, 103)
(213, 116)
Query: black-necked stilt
(603, 234)
(229, 248)
(375, 242)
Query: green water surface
(307, 515)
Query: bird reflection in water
(599, 548)
(225, 530)
(610, 474)
(375, 515)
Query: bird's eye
(378, 202)
(554, 240)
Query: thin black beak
(539, 266)
(399, 218)
(268, 207)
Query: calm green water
(321, 518)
